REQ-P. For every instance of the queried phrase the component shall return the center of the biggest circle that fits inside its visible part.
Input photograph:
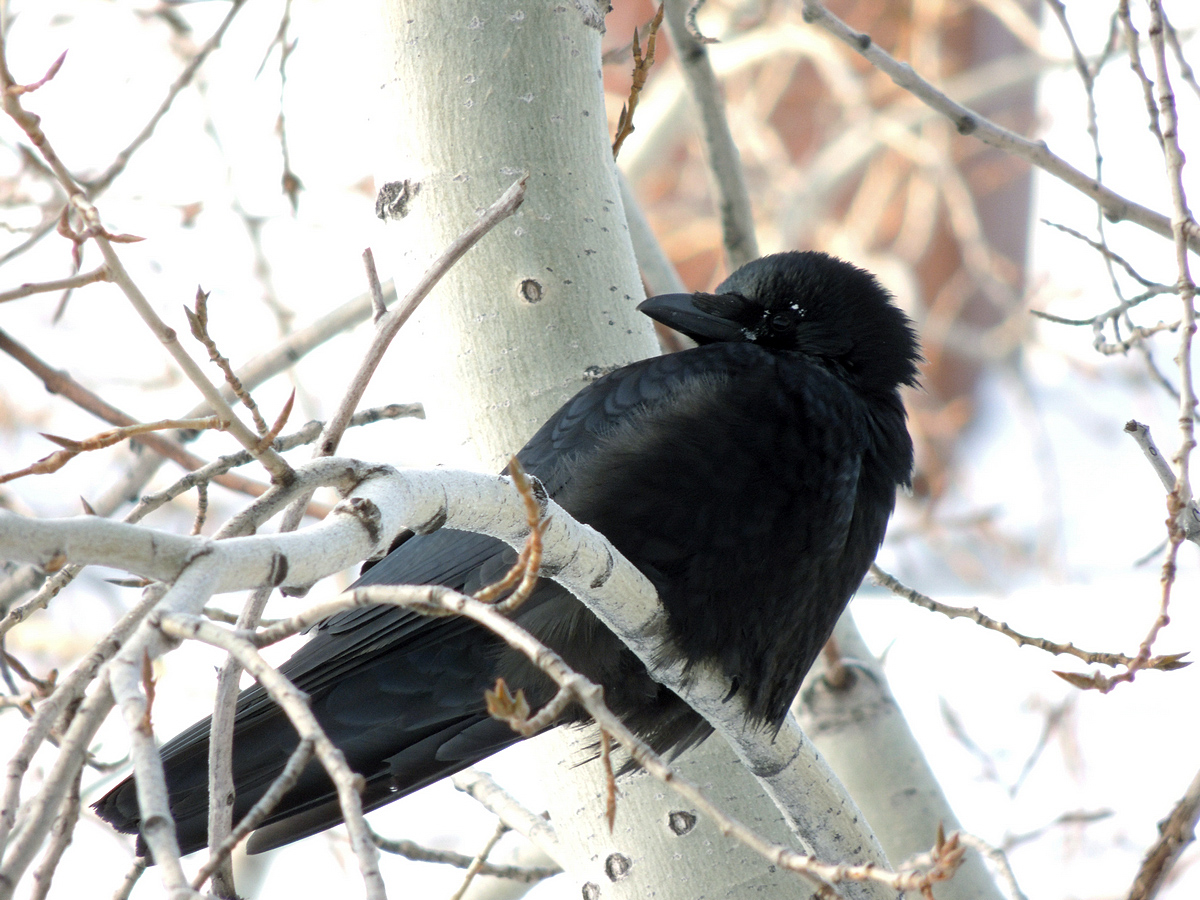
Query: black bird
(750, 479)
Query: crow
(750, 479)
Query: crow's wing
(399, 693)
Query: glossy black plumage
(750, 479)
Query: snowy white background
(1047, 453)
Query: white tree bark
(476, 95)
(861, 731)
(660, 847)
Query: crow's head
(807, 302)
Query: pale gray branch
(720, 150)
(295, 704)
(967, 121)
(483, 789)
(1189, 518)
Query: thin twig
(295, 706)
(198, 322)
(306, 435)
(277, 426)
(998, 859)
(1189, 520)
(1132, 47)
(289, 180)
(60, 383)
(478, 862)
(1175, 832)
(42, 687)
(97, 185)
(201, 507)
(1067, 819)
(969, 122)
(100, 273)
(71, 448)
(135, 872)
(1112, 256)
(1164, 663)
(259, 811)
(1087, 75)
(373, 285)
(483, 789)
(641, 71)
(386, 328)
(1185, 70)
(273, 462)
(415, 852)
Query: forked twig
(641, 71)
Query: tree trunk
(478, 95)
(862, 733)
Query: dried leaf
(502, 704)
(1075, 679)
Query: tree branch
(967, 121)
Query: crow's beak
(702, 317)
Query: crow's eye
(782, 321)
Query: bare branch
(1189, 519)
(55, 461)
(417, 853)
(641, 71)
(68, 692)
(274, 463)
(479, 861)
(1165, 663)
(373, 285)
(213, 471)
(136, 870)
(100, 273)
(1116, 208)
(1175, 833)
(259, 811)
(220, 751)
(944, 858)
(62, 384)
(295, 704)
(720, 150)
(1110, 255)
(38, 814)
(96, 185)
(386, 328)
(60, 839)
(220, 771)
(198, 322)
(480, 787)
